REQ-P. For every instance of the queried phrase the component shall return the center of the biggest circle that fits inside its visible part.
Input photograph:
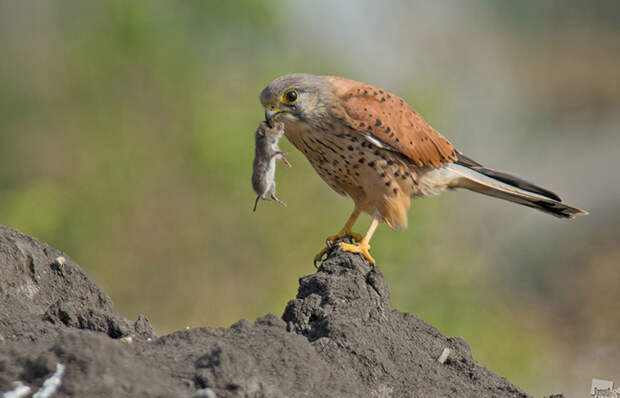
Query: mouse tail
(256, 203)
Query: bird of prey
(370, 145)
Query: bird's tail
(477, 178)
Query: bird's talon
(362, 248)
(344, 233)
(329, 244)
(319, 257)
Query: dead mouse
(266, 153)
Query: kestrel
(370, 145)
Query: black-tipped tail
(475, 177)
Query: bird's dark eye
(290, 97)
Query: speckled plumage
(379, 181)
(369, 144)
(337, 141)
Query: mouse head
(276, 132)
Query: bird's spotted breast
(352, 166)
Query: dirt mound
(340, 337)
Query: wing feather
(377, 113)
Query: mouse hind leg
(274, 197)
(259, 197)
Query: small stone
(60, 260)
(444, 355)
(52, 383)
(204, 393)
(19, 390)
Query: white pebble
(444, 355)
(51, 385)
(20, 390)
(60, 260)
(204, 393)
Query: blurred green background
(126, 140)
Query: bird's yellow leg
(363, 247)
(345, 231)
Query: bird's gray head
(296, 97)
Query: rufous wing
(377, 113)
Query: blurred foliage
(126, 140)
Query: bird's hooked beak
(269, 116)
(271, 113)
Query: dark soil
(340, 337)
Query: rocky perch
(340, 337)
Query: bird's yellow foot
(362, 248)
(342, 234)
(330, 241)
